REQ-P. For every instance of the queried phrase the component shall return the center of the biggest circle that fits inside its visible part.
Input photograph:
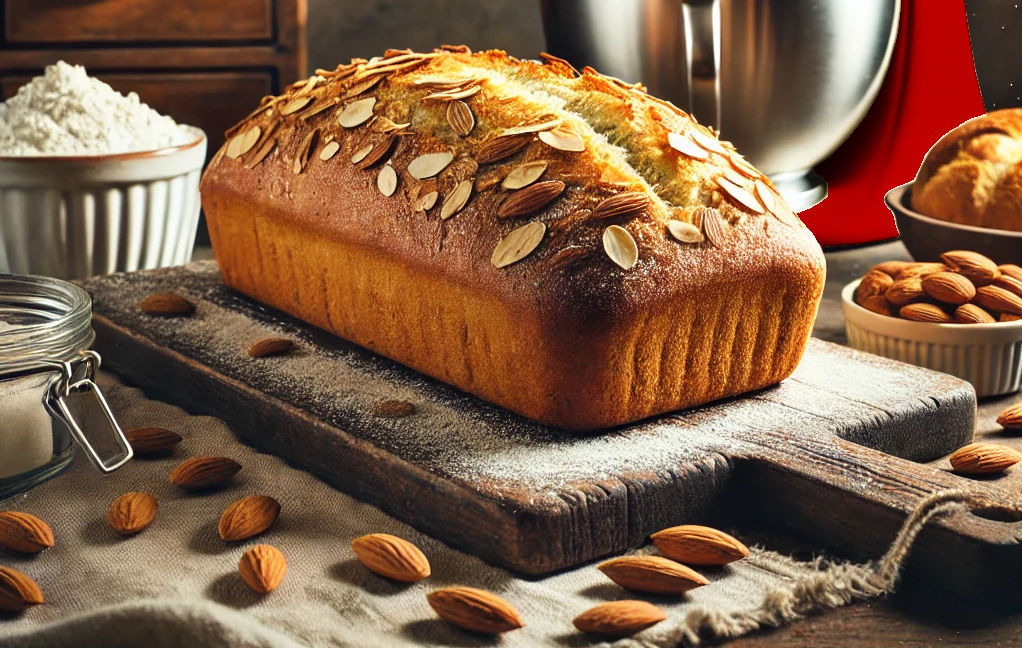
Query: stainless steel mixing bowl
(785, 80)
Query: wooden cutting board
(830, 452)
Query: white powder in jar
(67, 112)
(26, 430)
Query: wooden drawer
(213, 101)
(105, 21)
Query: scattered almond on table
(965, 288)
(1011, 418)
(151, 441)
(18, 592)
(204, 473)
(166, 304)
(693, 544)
(652, 574)
(263, 568)
(474, 609)
(131, 512)
(392, 557)
(619, 618)
(983, 458)
(272, 346)
(393, 408)
(24, 532)
(248, 517)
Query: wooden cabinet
(203, 62)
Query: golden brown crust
(973, 175)
(565, 336)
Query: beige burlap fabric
(176, 583)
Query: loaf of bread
(973, 175)
(559, 243)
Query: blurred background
(208, 63)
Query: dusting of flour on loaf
(67, 112)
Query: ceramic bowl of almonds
(961, 315)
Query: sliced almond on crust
(518, 244)
(531, 128)
(357, 112)
(241, 143)
(741, 195)
(684, 232)
(361, 153)
(620, 246)
(386, 181)
(524, 174)
(460, 117)
(563, 138)
(686, 146)
(429, 164)
(457, 199)
(329, 150)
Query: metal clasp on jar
(77, 401)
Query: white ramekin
(987, 355)
(75, 217)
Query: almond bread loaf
(559, 243)
(973, 175)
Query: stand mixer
(785, 80)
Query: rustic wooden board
(829, 451)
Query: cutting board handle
(855, 499)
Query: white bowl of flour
(93, 181)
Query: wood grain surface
(795, 453)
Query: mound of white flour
(66, 112)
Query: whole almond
(131, 512)
(271, 346)
(1011, 270)
(922, 312)
(263, 568)
(920, 270)
(151, 441)
(693, 544)
(24, 532)
(983, 458)
(999, 300)
(1011, 417)
(948, 287)
(392, 408)
(474, 609)
(166, 305)
(877, 304)
(905, 291)
(248, 517)
(623, 205)
(17, 591)
(619, 618)
(500, 148)
(391, 556)
(972, 314)
(530, 199)
(977, 268)
(653, 574)
(1008, 317)
(203, 473)
(873, 283)
(1009, 283)
(892, 268)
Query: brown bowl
(927, 238)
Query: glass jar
(47, 394)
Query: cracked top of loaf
(502, 173)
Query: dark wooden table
(917, 614)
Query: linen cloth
(176, 583)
